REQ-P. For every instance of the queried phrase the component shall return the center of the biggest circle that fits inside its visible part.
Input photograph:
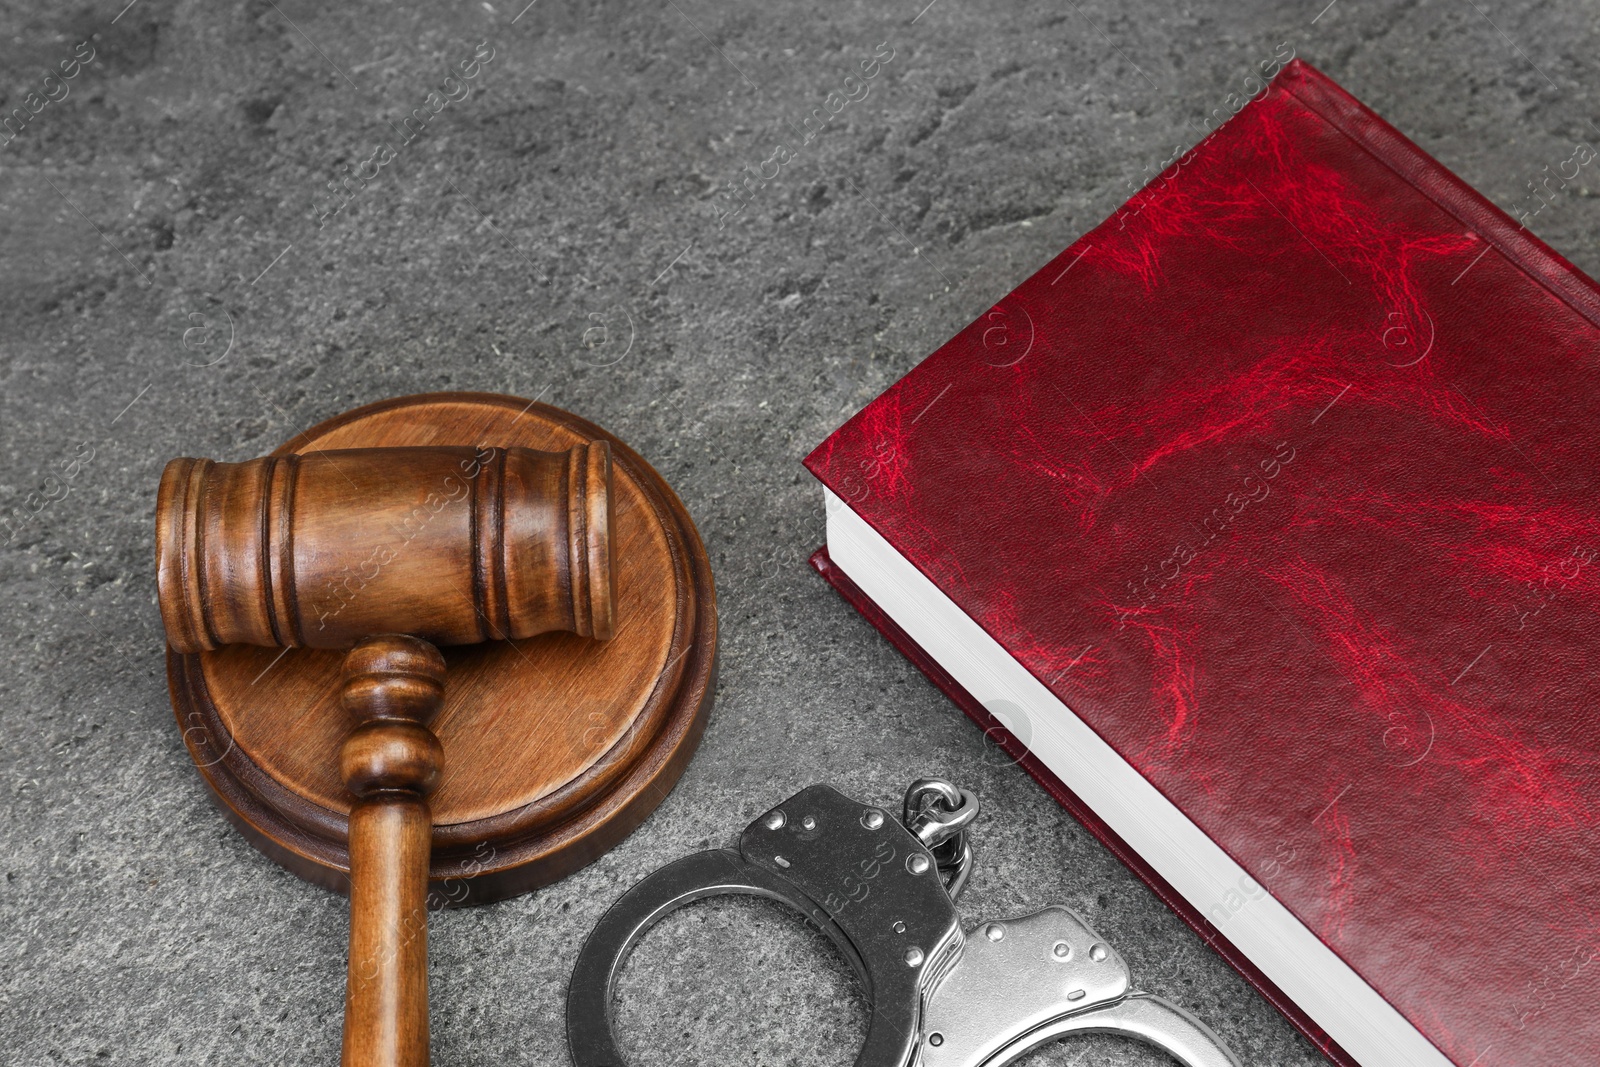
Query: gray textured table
(559, 233)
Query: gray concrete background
(574, 191)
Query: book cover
(1281, 480)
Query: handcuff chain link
(938, 813)
(941, 998)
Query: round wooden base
(555, 747)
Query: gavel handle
(386, 995)
(391, 762)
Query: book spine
(1316, 93)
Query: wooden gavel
(388, 552)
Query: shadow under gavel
(388, 552)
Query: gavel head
(454, 545)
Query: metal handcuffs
(884, 892)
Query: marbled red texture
(1283, 479)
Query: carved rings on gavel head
(455, 545)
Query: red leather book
(1264, 518)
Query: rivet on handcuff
(884, 893)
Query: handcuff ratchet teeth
(884, 893)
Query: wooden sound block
(555, 746)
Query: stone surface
(556, 234)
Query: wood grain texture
(393, 686)
(555, 746)
(456, 545)
(386, 987)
